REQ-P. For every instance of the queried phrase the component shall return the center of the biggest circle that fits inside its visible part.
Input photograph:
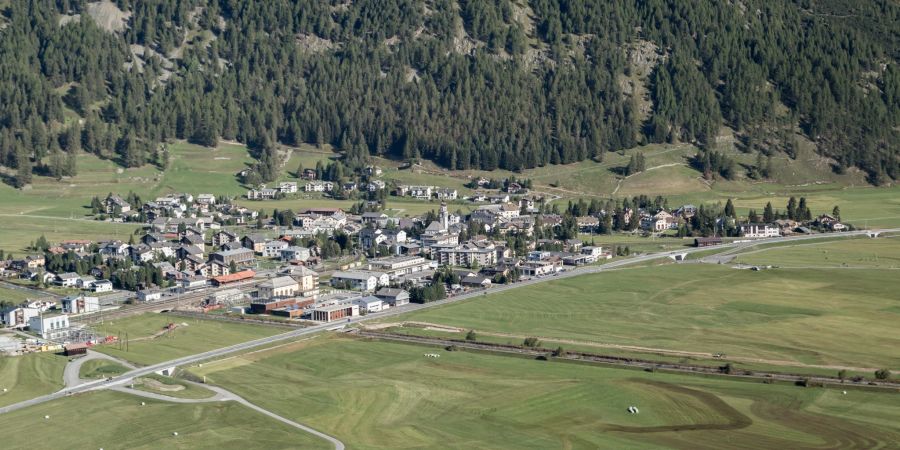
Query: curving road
(126, 378)
(71, 373)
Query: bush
(471, 336)
(842, 374)
(451, 348)
(882, 374)
(559, 352)
(532, 342)
(726, 369)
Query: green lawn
(378, 395)
(832, 316)
(115, 420)
(196, 337)
(28, 376)
(883, 253)
(100, 368)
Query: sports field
(384, 395)
(812, 316)
(115, 420)
(28, 376)
(149, 343)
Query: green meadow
(28, 376)
(117, 420)
(149, 344)
(379, 395)
(781, 315)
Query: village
(210, 255)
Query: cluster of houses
(49, 319)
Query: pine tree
(768, 213)
(729, 209)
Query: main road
(127, 377)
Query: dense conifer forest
(470, 84)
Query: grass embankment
(373, 394)
(149, 343)
(28, 376)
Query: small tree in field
(532, 342)
(882, 374)
(470, 336)
(842, 374)
(559, 352)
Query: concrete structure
(225, 297)
(397, 266)
(239, 256)
(50, 326)
(79, 304)
(17, 316)
(329, 313)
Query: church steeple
(445, 217)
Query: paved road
(125, 379)
(73, 368)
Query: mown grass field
(821, 316)
(115, 420)
(28, 376)
(881, 253)
(196, 337)
(378, 395)
(100, 368)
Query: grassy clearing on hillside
(388, 395)
(198, 336)
(28, 376)
(100, 368)
(117, 420)
(781, 314)
(883, 253)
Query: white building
(273, 249)
(50, 327)
(759, 230)
(360, 280)
(149, 295)
(369, 304)
(295, 253)
(17, 316)
(288, 187)
(319, 186)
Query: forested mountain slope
(471, 84)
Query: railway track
(648, 365)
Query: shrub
(471, 336)
(532, 342)
(882, 374)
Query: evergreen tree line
(395, 81)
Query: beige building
(278, 287)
